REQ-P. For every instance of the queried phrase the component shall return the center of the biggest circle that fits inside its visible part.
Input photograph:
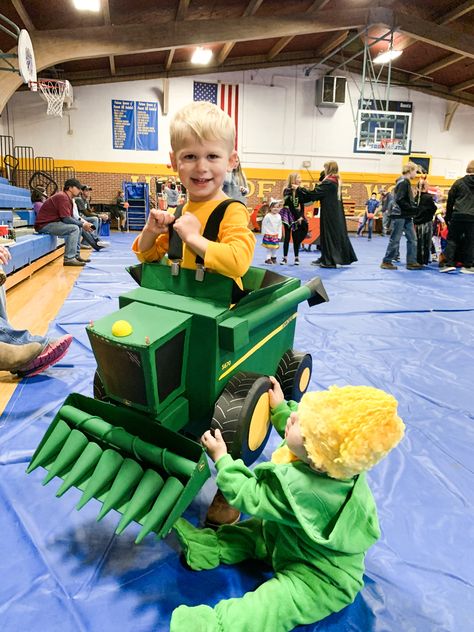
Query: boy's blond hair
(204, 121)
(348, 430)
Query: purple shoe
(52, 353)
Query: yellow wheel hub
(259, 422)
(304, 379)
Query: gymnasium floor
(411, 333)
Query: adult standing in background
(423, 222)
(235, 184)
(460, 220)
(387, 201)
(172, 193)
(403, 211)
(292, 214)
(336, 248)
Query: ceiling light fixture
(201, 55)
(87, 5)
(387, 55)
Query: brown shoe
(73, 262)
(388, 266)
(220, 512)
(82, 260)
(414, 266)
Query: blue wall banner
(123, 124)
(146, 115)
(135, 125)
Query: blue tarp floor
(408, 332)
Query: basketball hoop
(55, 92)
(388, 145)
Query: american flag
(225, 95)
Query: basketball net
(54, 93)
(388, 145)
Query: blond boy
(202, 141)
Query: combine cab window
(169, 364)
(122, 372)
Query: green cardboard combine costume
(175, 356)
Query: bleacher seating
(30, 251)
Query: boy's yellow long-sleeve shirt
(232, 253)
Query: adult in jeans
(460, 219)
(387, 201)
(402, 213)
(84, 207)
(55, 217)
(21, 352)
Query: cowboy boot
(12, 357)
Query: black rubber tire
(233, 414)
(99, 389)
(289, 373)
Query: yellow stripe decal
(257, 346)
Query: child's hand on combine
(214, 444)
(275, 393)
(158, 221)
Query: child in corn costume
(314, 515)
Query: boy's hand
(187, 226)
(215, 445)
(158, 221)
(275, 393)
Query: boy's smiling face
(202, 166)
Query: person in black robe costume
(336, 248)
(293, 215)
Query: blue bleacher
(29, 248)
(12, 197)
(16, 201)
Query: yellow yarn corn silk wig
(347, 430)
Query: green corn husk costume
(312, 529)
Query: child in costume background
(202, 140)
(272, 230)
(314, 515)
(372, 205)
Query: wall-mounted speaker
(331, 91)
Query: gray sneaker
(103, 244)
(466, 270)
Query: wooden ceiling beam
(434, 34)
(437, 65)
(224, 52)
(317, 6)
(279, 46)
(60, 45)
(23, 13)
(252, 8)
(182, 10)
(465, 85)
(169, 58)
(456, 12)
(182, 69)
(332, 42)
(107, 21)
